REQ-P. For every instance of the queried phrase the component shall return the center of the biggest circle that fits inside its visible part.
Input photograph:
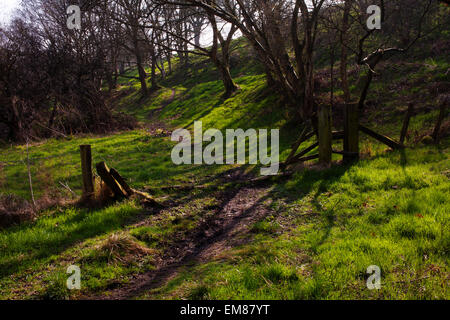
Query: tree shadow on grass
(215, 230)
(200, 244)
(45, 240)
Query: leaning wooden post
(351, 132)
(86, 168)
(325, 134)
(104, 173)
(383, 139)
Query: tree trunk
(365, 90)
(437, 128)
(197, 34)
(228, 81)
(343, 65)
(169, 62)
(163, 69)
(142, 77)
(153, 80)
(140, 67)
(122, 67)
(408, 116)
(16, 125)
(114, 75)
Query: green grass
(377, 212)
(58, 239)
(325, 228)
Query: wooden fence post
(325, 134)
(86, 167)
(351, 132)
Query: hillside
(219, 236)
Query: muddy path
(230, 226)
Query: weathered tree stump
(120, 187)
(115, 174)
(105, 173)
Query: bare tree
(131, 13)
(197, 20)
(222, 35)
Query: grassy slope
(324, 228)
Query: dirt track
(227, 228)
